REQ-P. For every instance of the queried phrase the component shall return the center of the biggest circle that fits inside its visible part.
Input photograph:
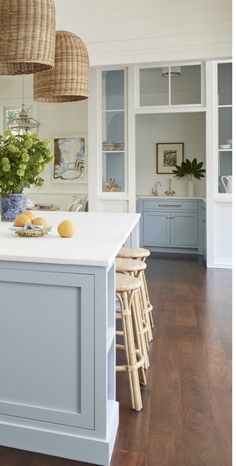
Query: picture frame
(70, 159)
(168, 155)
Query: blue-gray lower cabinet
(184, 230)
(170, 224)
(156, 228)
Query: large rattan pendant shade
(27, 36)
(68, 80)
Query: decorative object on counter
(22, 159)
(155, 190)
(32, 231)
(66, 229)
(190, 170)
(112, 186)
(69, 159)
(168, 155)
(227, 184)
(23, 122)
(12, 205)
(27, 225)
(68, 80)
(170, 191)
(27, 36)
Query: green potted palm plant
(190, 170)
(22, 159)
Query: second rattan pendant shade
(27, 36)
(68, 80)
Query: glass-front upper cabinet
(113, 130)
(170, 86)
(224, 112)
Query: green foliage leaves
(22, 159)
(190, 169)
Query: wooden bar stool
(137, 268)
(139, 254)
(126, 289)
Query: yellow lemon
(66, 229)
(21, 220)
(29, 214)
(39, 221)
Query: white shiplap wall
(188, 128)
(133, 31)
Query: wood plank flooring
(186, 420)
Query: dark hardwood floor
(186, 419)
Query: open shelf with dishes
(224, 127)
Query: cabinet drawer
(170, 204)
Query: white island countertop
(98, 239)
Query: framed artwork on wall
(70, 159)
(168, 155)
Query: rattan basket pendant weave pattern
(68, 80)
(27, 36)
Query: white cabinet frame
(169, 108)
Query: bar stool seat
(126, 291)
(137, 268)
(129, 265)
(139, 254)
(133, 253)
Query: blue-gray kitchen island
(57, 337)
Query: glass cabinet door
(224, 73)
(170, 85)
(186, 86)
(113, 130)
(154, 87)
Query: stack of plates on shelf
(110, 146)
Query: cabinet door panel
(156, 226)
(184, 230)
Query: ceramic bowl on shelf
(225, 146)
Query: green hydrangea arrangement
(22, 159)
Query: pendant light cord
(23, 91)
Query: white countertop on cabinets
(98, 239)
(142, 196)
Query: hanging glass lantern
(23, 122)
(68, 80)
(27, 36)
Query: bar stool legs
(127, 288)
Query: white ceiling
(129, 31)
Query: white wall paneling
(188, 128)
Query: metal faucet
(170, 192)
(155, 191)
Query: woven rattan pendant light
(27, 36)
(68, 80)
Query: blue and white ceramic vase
(12, 205)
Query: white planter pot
(190, 188)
